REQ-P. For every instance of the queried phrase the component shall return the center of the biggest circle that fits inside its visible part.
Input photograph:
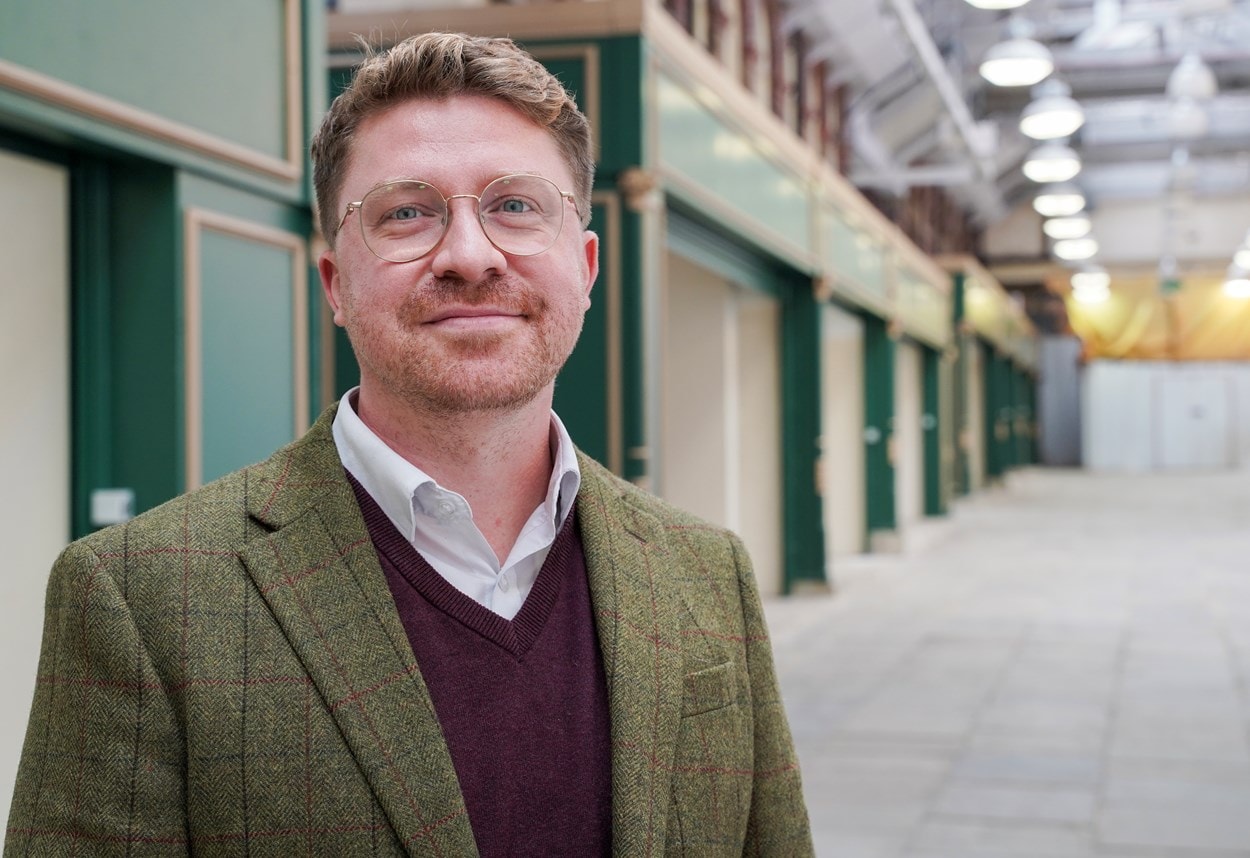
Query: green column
(961, 480)
(878, 426)
(992, 383)
(931, 429)
(803, 520)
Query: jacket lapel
(636, 614)
(319, 574)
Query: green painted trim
(702, 242)
(92, 320)
(931, 427)
(879, 502)
(802, 504)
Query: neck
(500, 462)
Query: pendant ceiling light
(1017, 62)
(1192, 78)
(1091, 285)
(996, 4)
(1075, 249)
(1052, 162)
(1059, 201)
(1052, 113)
(1242, 258)
(1075, 226)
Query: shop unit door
(720, 404)
(842, 432)
(908, 435)
(34, 425)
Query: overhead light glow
(1075, 249)
(996, 4)
(1059, 201)
(1052, 162)
(1075, 226)
(1091, 294)
(1052, 113)
(1237, 287)
(1017, 62)
(1242, 258)
(1091, 278)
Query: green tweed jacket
(227, 675)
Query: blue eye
(404, 213)
(515, 205)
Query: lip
(472, 315)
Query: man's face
(466, 327)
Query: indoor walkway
(1061, 671)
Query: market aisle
(1063, 672)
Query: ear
(331, 283)
(590, 247)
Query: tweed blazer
(227, 675)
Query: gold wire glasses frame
(402, 221)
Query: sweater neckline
(515, 636)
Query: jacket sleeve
(102, 767)
(778, 823)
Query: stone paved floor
(1060, 669)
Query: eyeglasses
(401, 221)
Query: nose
(464, 251)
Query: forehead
(457, 144)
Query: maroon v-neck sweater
(522, 703)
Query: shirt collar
(392, 481)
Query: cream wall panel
(974, 438)
(908, 439)
(34, 437)
(842, 432)
(695, 396)
(759, 436)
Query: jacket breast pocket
(709, 689)
(713, 768)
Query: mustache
(497, 291)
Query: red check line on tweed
(406, 673)
(720, 636)
(657, 763)
(292, 578)
(652, 637)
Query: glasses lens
(522, 215)
(403, 221)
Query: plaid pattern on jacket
(227, 675)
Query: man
(429, 626)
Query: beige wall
(908, 438)
(720, 403)
(842, 432)
(974, 382)
(34, 429)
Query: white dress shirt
(439, 523)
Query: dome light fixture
(1052, 113)
(1073, 226)
(1192, 78)
(1242, 258)
(1075, 249)
(1059, 200)
(1237, 283)
(1017, 62)
(1052, 162)
(1093, 277)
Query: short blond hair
(440, 66)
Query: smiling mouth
(473, 316)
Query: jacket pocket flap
(708, 689)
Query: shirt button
(503, 583)
(446, 508)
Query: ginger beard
(449, 372)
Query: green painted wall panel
(581, 396)
(247, 331)
(803, 512)
(726, 163)
(855, 261)
(879, 348)
(146, 243)
(165, 57)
